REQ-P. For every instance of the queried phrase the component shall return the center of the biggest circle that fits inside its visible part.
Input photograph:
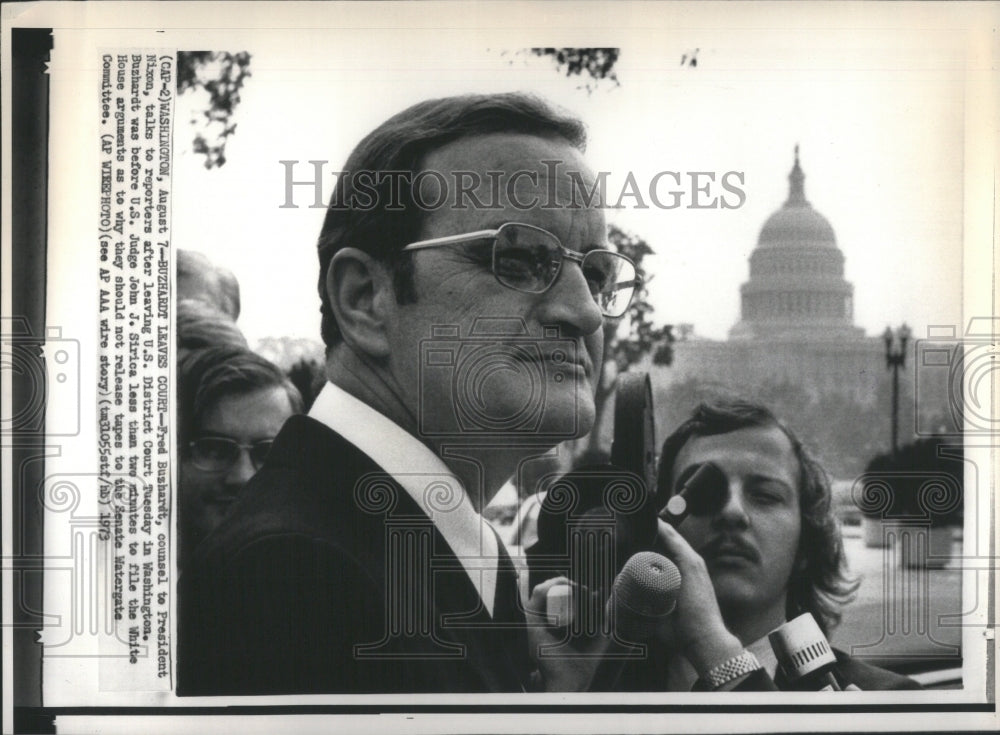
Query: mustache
(727, 544)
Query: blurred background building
(796, 349)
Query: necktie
(507, 604)
(508, 618)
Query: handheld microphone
(643, 596)
(703, 492)
(804, 655)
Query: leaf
(596, 63)
(221, 75)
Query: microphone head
(644, 593)
(800, 647)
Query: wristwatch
(718, 676)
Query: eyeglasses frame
(572, 255)
(245, 447)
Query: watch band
(734, 668)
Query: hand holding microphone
(696, 630)
(643, 595)
(642, 598)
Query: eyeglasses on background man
(220, 453)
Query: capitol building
(795, 346)
(796, 315)
(796, 288)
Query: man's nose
(570, 302)
(241, 471)
(733, 511)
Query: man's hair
(206, 375)
(401, 144)
(199, 278)
(819, 583)
(200, 325)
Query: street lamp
(895, 358)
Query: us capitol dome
(796, 287)
(796, 322)
(795, 347)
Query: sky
(879, 113)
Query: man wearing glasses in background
(463, 297)
(232, 402)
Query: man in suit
(464, 287)
(769, 551)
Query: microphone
(643, 596)
(704, 491)
(804, 655)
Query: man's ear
(359, 289)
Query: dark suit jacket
(326, 576)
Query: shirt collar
(424, 476)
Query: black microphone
(703, 492)
(804, 655)
(643, 596)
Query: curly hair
(401, 144)
(819, 583)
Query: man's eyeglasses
(529, 259)
(219, 453)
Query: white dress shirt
(424, 476)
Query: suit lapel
(494, 646)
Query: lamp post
(895, 358)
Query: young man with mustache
(770, 552)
